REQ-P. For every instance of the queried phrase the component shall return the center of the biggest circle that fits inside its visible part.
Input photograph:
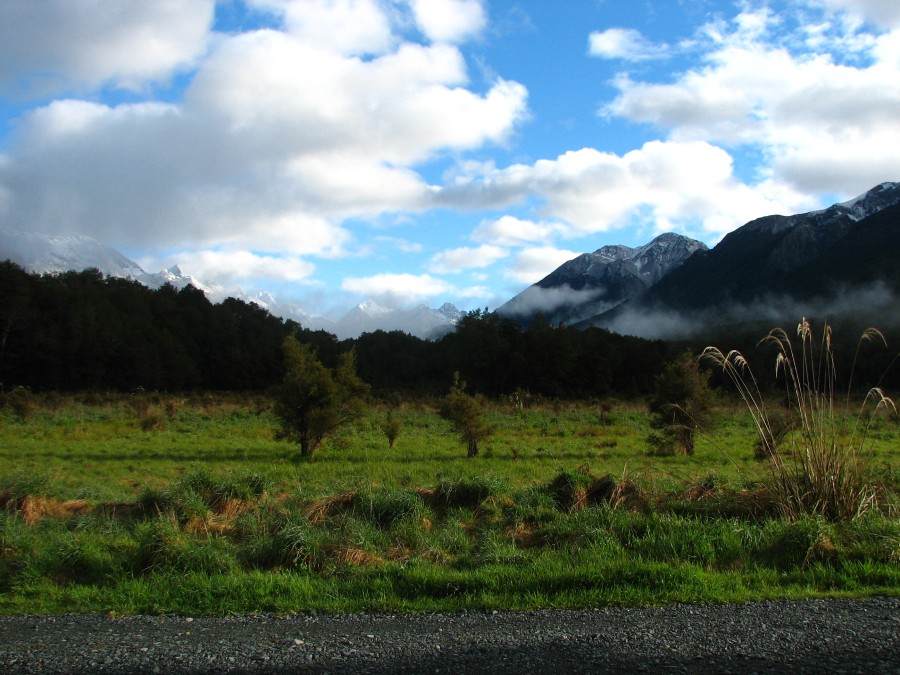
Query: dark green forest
(82, 331)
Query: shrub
(819, 469)
(22, 403)
(312, 401)
(391, 427)
(681, 403)
(466, 414)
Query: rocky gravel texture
(834, 636)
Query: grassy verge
(203, 512)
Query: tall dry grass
(818, 467)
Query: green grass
(206, 513)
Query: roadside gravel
(835, 636)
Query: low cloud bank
(876, 303)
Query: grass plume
(819, 467)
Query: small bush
(171, 407)
(151, 423)
(22, 403)
(681, 404)
(140, 403)
(466, 414)
(391, 426)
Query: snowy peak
(43, 253)
(371, 309)
(421, 321)
(877, 199)
(612, 253)
(655, 260)
(596, 282)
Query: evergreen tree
(466, 414)
(680, 405)
(313, 401)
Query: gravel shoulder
(853, 636)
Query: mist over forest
(84, 331)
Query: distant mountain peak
(596, 282)
(817, 262)
(41, 254)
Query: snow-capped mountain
(42, 254)
(840, 260)
(596, 282)
(48, 253)
(421, 321)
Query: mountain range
(843, 260)
(837, 261)
(594, 283)
(43, 254)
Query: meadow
(158, 503)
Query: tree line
(82, 331)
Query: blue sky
(424, 151)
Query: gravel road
(834, 636)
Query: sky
(431, 151)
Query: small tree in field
(466, 414)
(391, 426)
(312, 401)
(680, 404)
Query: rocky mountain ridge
(594, 283)
(818, 263)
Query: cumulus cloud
(803, 111)
(56, 45)
(626, 44)
(459, 259)
(344, 26)
(533, 264)
(217, 267)
(511, 231)
(397, 289)
(884, 13)
(665, 185)
(449, 20)
(278, 140)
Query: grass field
(165, 504)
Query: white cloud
(475, 292)
(624, 43)
(54, 45)
(824, 124)
(884, 13)
(226, 267)
(403, 245)
(511, 231)
(397, 288)
(449, 20)
(276, 143)
(532, 265)
(459, 259)
(403, 107)
(662, 185)
(345, 26)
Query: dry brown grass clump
(319, 510)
